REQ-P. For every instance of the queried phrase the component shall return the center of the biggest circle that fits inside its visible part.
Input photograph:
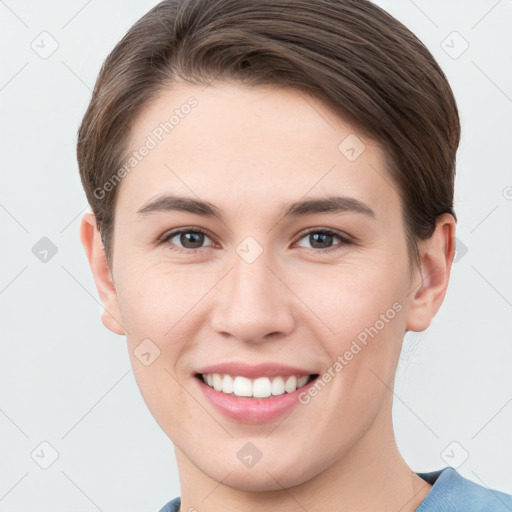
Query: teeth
(227, 384)
(301, 381)
(277, 386)
(217, 382)
(291, 384)
(242, 386)
(262, 387)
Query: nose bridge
(254, 301)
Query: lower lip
(252, 410)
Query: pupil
(195, 239)
(321, 237)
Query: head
(243, 123)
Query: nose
(253, 302)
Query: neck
(371, 477)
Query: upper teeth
(261, 387)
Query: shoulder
(451, 492)
(172, 506)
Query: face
(253, 274)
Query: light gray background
(67, 381)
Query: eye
(322, 239)
(185, 239)
(192, 239)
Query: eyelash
(167, 237)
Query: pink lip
(255, 370)
(252, 410)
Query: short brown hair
(349, 53)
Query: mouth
(260, 387)
(253, 394)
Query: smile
(254, 394)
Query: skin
(248, 151)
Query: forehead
(246, 144)
(228, 114)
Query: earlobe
(91, 240)
(433, 275)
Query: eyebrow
(331, 204)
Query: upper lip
(252, 371)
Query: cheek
(349, 300)
(155, 307)
(365, 309)
(154, 299)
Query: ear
(91, 240)
(431, 278)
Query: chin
(263, 476)
(256, 481)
